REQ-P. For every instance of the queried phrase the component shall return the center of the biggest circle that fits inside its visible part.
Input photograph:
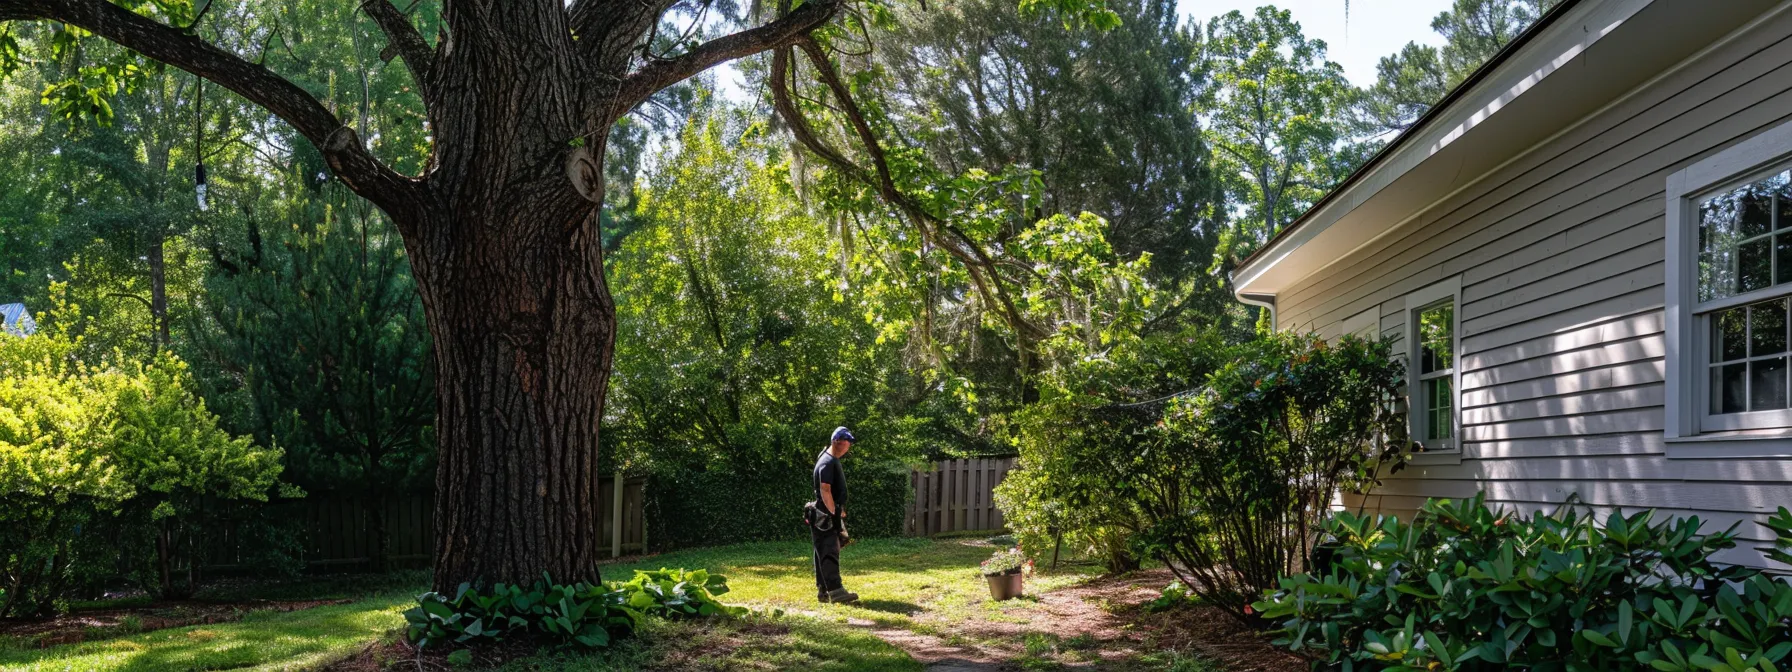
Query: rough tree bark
(502, 235)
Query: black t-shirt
(827, 470)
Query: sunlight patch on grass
(261, 641)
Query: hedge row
(724, 506)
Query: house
(1585, 255)
(15, 320)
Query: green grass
(261, 641)
(897, 580)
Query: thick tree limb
(405, 40)
(341, 147)
(985, 275)
(782, 31)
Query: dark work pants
(827, 560)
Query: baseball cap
(841, 434)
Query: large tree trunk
(511, 274)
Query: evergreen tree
(318, 335)
(1408, 83)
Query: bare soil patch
(1100, 624)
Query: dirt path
(1099, 625)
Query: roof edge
(1437, 110)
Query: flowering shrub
(1010, 561)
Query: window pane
(1754, 269)
(1782, 252)
(1767, 384)
(1767, 328)
(1732, 258)
(1437, 341)
(1717, 248)
(1728, 386)
(1729, 335)
(1755, 210)
(1439, 421)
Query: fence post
(616, 516)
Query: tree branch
(404, 39)
(983, 271)
(341, 148)
(782, 31)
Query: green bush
(107, 463)
(718, 506)
(1235, 482)
(584, 614)
(1465, 587)
(1086, 440)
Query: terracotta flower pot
(1005, 586)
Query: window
(1729, 294)
(1432, 381)
(1745, 254)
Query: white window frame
(1689, 428)
(1450, 290)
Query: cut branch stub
(586, 175)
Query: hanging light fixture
(199, 184)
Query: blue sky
(1376, 27)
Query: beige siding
(1561, 259)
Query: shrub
(581, 613)
(688, 508)
(1234, 484)
(102, 458)
(1084, 442)
(1465, 587)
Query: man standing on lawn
(829, 529)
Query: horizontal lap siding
(1561, 259)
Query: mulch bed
(93, 624)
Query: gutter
(1265, 301)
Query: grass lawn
(261, 641)
(926, 587)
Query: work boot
(841, 596)
(822, 597)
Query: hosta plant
(588, 615)
(1464, 587)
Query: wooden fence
(957, 496)
(335, 529)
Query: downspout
(1266, 301)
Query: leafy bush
(580, 613)
(104, 459)
(688, 508)
(1465, 587)
(1086, 440)
(1234, 483)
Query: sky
(1376, 28)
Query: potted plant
(1005, 571)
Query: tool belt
(818, 518)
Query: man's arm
(827, 497)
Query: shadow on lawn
(890, 606)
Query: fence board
(957, 496)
